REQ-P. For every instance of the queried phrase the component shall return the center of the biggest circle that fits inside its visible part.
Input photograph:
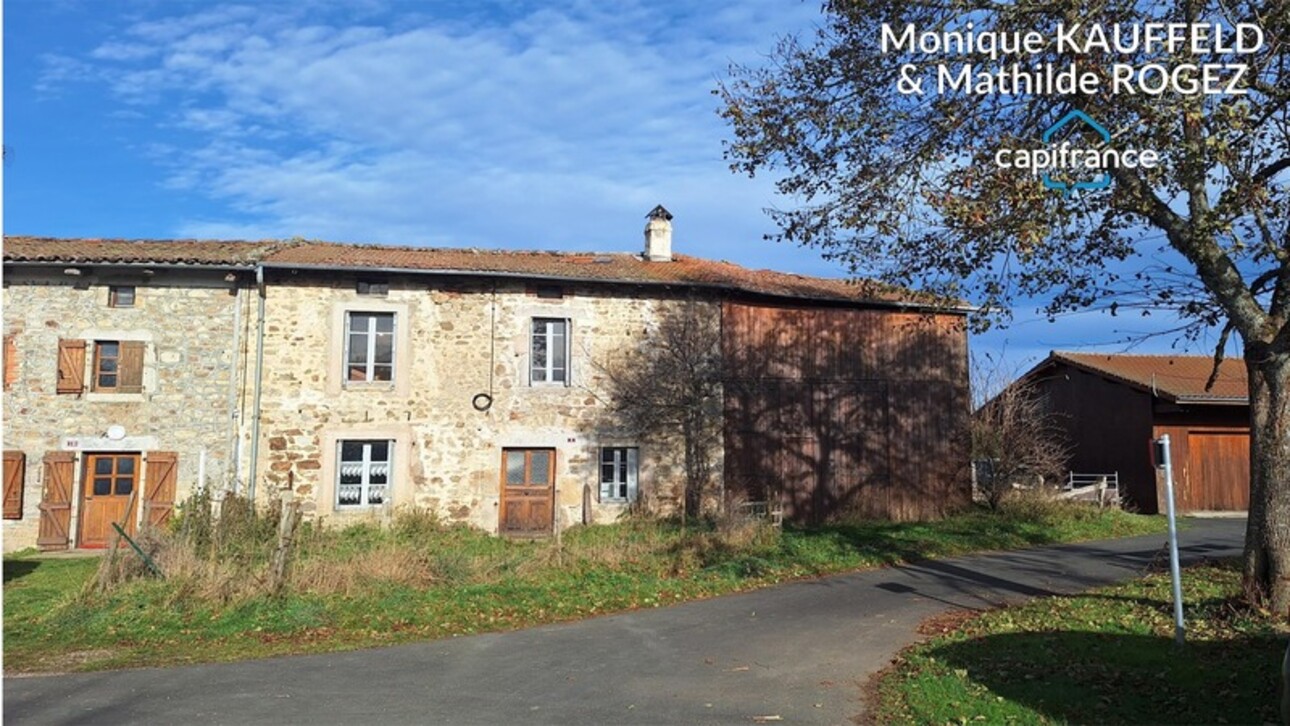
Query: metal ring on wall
(482, 401)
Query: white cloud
(548, 128)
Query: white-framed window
(363, 469)
(549, 351)
(369, 347)
(618, 473)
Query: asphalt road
(796, 651)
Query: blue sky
(508, 125)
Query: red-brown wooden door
(528, 491)
(107, 488)
(1218, 472)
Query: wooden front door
(108, 495)
(528, 491)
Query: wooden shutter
(71, 366)
(15, 470)
(159, 489)
(130, 367)
(10, 361)
(56, 505)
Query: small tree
(672, 386)
(1021, 439)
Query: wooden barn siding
(1108, 426)
(1228, 487)
(855, 411)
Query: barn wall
(1108, 426)
(846, 411)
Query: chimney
(658, 235)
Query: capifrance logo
(1067, 164)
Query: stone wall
(190, 396)
(454, 340)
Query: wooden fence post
(288, 523)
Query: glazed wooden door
(109, 482)
(528, 491)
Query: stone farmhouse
(361, 379)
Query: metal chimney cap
(659, 212)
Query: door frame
(502, 499)
(86, 484)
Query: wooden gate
(56, 504)
(528, 491)
(1218, 472)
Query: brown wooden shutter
(15, 471)
(56, 505)
(159, 491)
(71, 366)
(10, 361)
(131, 367)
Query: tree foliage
(905, 187)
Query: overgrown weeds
(417, 577)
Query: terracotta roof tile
(608, 267)
(1174, 377)
(169, 252)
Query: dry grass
(388, 563)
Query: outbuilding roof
(1177, 378)
(618, 267)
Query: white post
(1174, 569)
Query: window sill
(97, 397)
(362, 386)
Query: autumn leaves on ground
(418, 579)
(1106, 656)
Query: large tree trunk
(1267, 536)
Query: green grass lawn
(367, 586)
(1106, 656)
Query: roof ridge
(1209, 356)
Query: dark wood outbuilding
(1112, 406)
(847, 411)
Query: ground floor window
(618, 467)
(363, 476)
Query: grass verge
(1106, 656)
(417, 580)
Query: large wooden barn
(1112, 406)
(846, 410)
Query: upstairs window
(369, 347)
(121, 296)
(550, 351)
(363, 474)
(618, 473)
(118, 366)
